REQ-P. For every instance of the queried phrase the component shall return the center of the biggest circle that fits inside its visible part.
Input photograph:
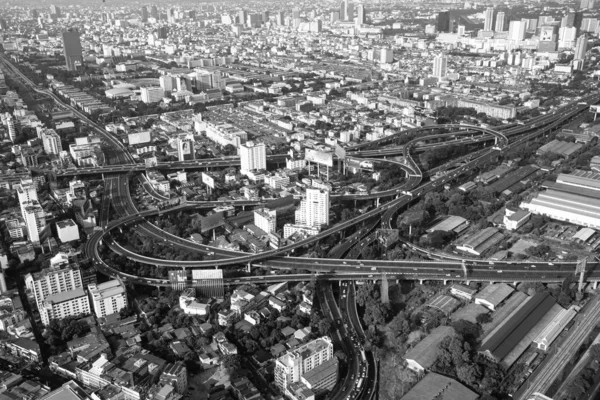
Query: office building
(51, 281)
(489, 19)
(386, 56)
(589, 4)
(144, 14)
(445, 22)
(34, 14)
(162, 32)
(293, 366)
(55, 10)
(72, 49)
(175, 375)
(360, 15)
(13, 125)
(3, 24)
(346, 10)
(266, 219)
(516, 31)
(35, 220)
(581, 48)
(500, 22)
(154, 12)
(51, 142)
(26, 192)
(65, 304)
(107, 298)
(152, 94)
(253, 156)
(167, 83)
(314, 209)
(280, 18)
(440, 66)
(242, 17)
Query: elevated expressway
(480, 270)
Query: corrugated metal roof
(509, 334)
(554, 328)
(495, 293)
(425, 352)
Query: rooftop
(439, 387)
(65, 296)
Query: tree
(324, 326)
(232, 363)
(483, 318)
(595, 351)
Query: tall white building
(516, 31)
(581, 47)
(107, 298)
(13, 125)
(253, 157)
(35, 220)
(185, 147)
(266, 219)
(51, 142)
(168, 83)
(51, 281)
(65, 304)
(440, 66)
(26, 192)
(360, 15)
(500, 22)
(386, 56)
(291, 367)
(489, 19)
(152, 94)
(346, 10)
(314, 209)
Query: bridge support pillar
(445, 282)
(420, 281)
(397, 281)
(515, 284)
(243, 208)
(595, 285)
(377, 202)
(249, 268)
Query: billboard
(208, 180)
(547, 34)
(319, 157)
(359, 164)
(340, 152)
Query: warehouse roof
(503, 339)
(444, 303)
(482, 240)
(448, 224)
(563, 187)
(554, 328)
(568, 202)
(583, 178)
(425, 352)
(495, 293)
(439, 387)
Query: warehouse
(564, 149)
(481, 242)
(424, 354)
(554, 328)
(493, 294)
(580, 178)
(439, 387)
(452, 223)
(502, 340)
(569, 207)
(520, 175)
(445, 304)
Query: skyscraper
(154, 12)
(242, 16)
(581, 48)
(34, 14)
(144, 14)
(55, 10)
(35, 219)
(516, 30)
(280, 17)
(443, 22)
(489, 19)
(253, 157)
(500, 22)
(314, 208)
(440, 66)
(360, 15)
(346, 10)
(568, 20)
(52, 281)
(72, 49)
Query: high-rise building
(265, 16)
(314, 208)
(516, 31)
(162, 32)
(3, 24)
(346, 10)
(253, 156)
(35, 220)
(51, 142)
(168, 83)
(152, 94)
(295, 13)
(34, 14)
(335, 16)
(26, 192)
(500, 22)
(568, 20)
(154, 13)
(107, 298)
(280, 17)
(386, 56)
(311, 367)
(488, 22)
(360, 15)
(580, 50)
(55, 10)
(589, 25)
(144, 14)
(440, 66)
(266, 219)
(242, 17)
(567, 37)
(66, 304)
(51, 281)
(14, 127)
(72, 49)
